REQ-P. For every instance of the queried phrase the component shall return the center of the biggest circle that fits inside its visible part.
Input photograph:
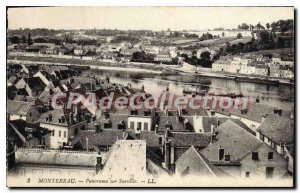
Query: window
(160, 140)
(65, 134)
(59, 133)
(270, 155)
(145, 126)
(139, 126)
(254, 155)
(131, 125)
(53, 132)
(30, 114)
(247, 174)
(269, 172)
(227, 157)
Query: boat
(231, 95)
(194, 92)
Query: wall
(142, 120)
(257, 168)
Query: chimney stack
(169, 156)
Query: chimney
(218, 122)
(213, 137)
(97, 127)
(169, 156)
(212, 129)
(143, 88)
(221, 153)
(129, 85)
(167, 111)
(50, 118)
(107, 80)
(177, 117)
(87, 143)
(257, 100)
(179, 111)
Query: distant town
(256, 142)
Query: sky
(150, 18)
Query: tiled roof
(56, 158)
(35, 83)
(278, 128)
(233, 139)
(188, 139)
(151, 138)
(176, 124)
(56, 114)
(106, 137)
(193, 162)
(255, 111)
(18, 107)
(17, 127)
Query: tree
(259, 26)
(23, 39)
(185, 56)
(29, 40)
(239, 36)
(205, 55)
(268, 26)
(244, 26)
(15, 40)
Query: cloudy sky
(153, 18)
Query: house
(286, 72)
(222, 66)
(163, 56)
(47, 163)
(140, 120)
(240, 154)
(45, 77)
(33, 86)
(192, 162)
(99, 140)
(22, 110)
(252, 116)
(261, 70)
(64, 124)
(152, 49)
(206, 49)
(53, 50)
(24, 134)
(277, 131)
(78, 51)
(177, 143)
(126, 158)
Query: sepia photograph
(150, 96)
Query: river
(281, 96)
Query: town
(256, 142)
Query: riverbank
(148, 68)
(190, 70)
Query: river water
(281, 96)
